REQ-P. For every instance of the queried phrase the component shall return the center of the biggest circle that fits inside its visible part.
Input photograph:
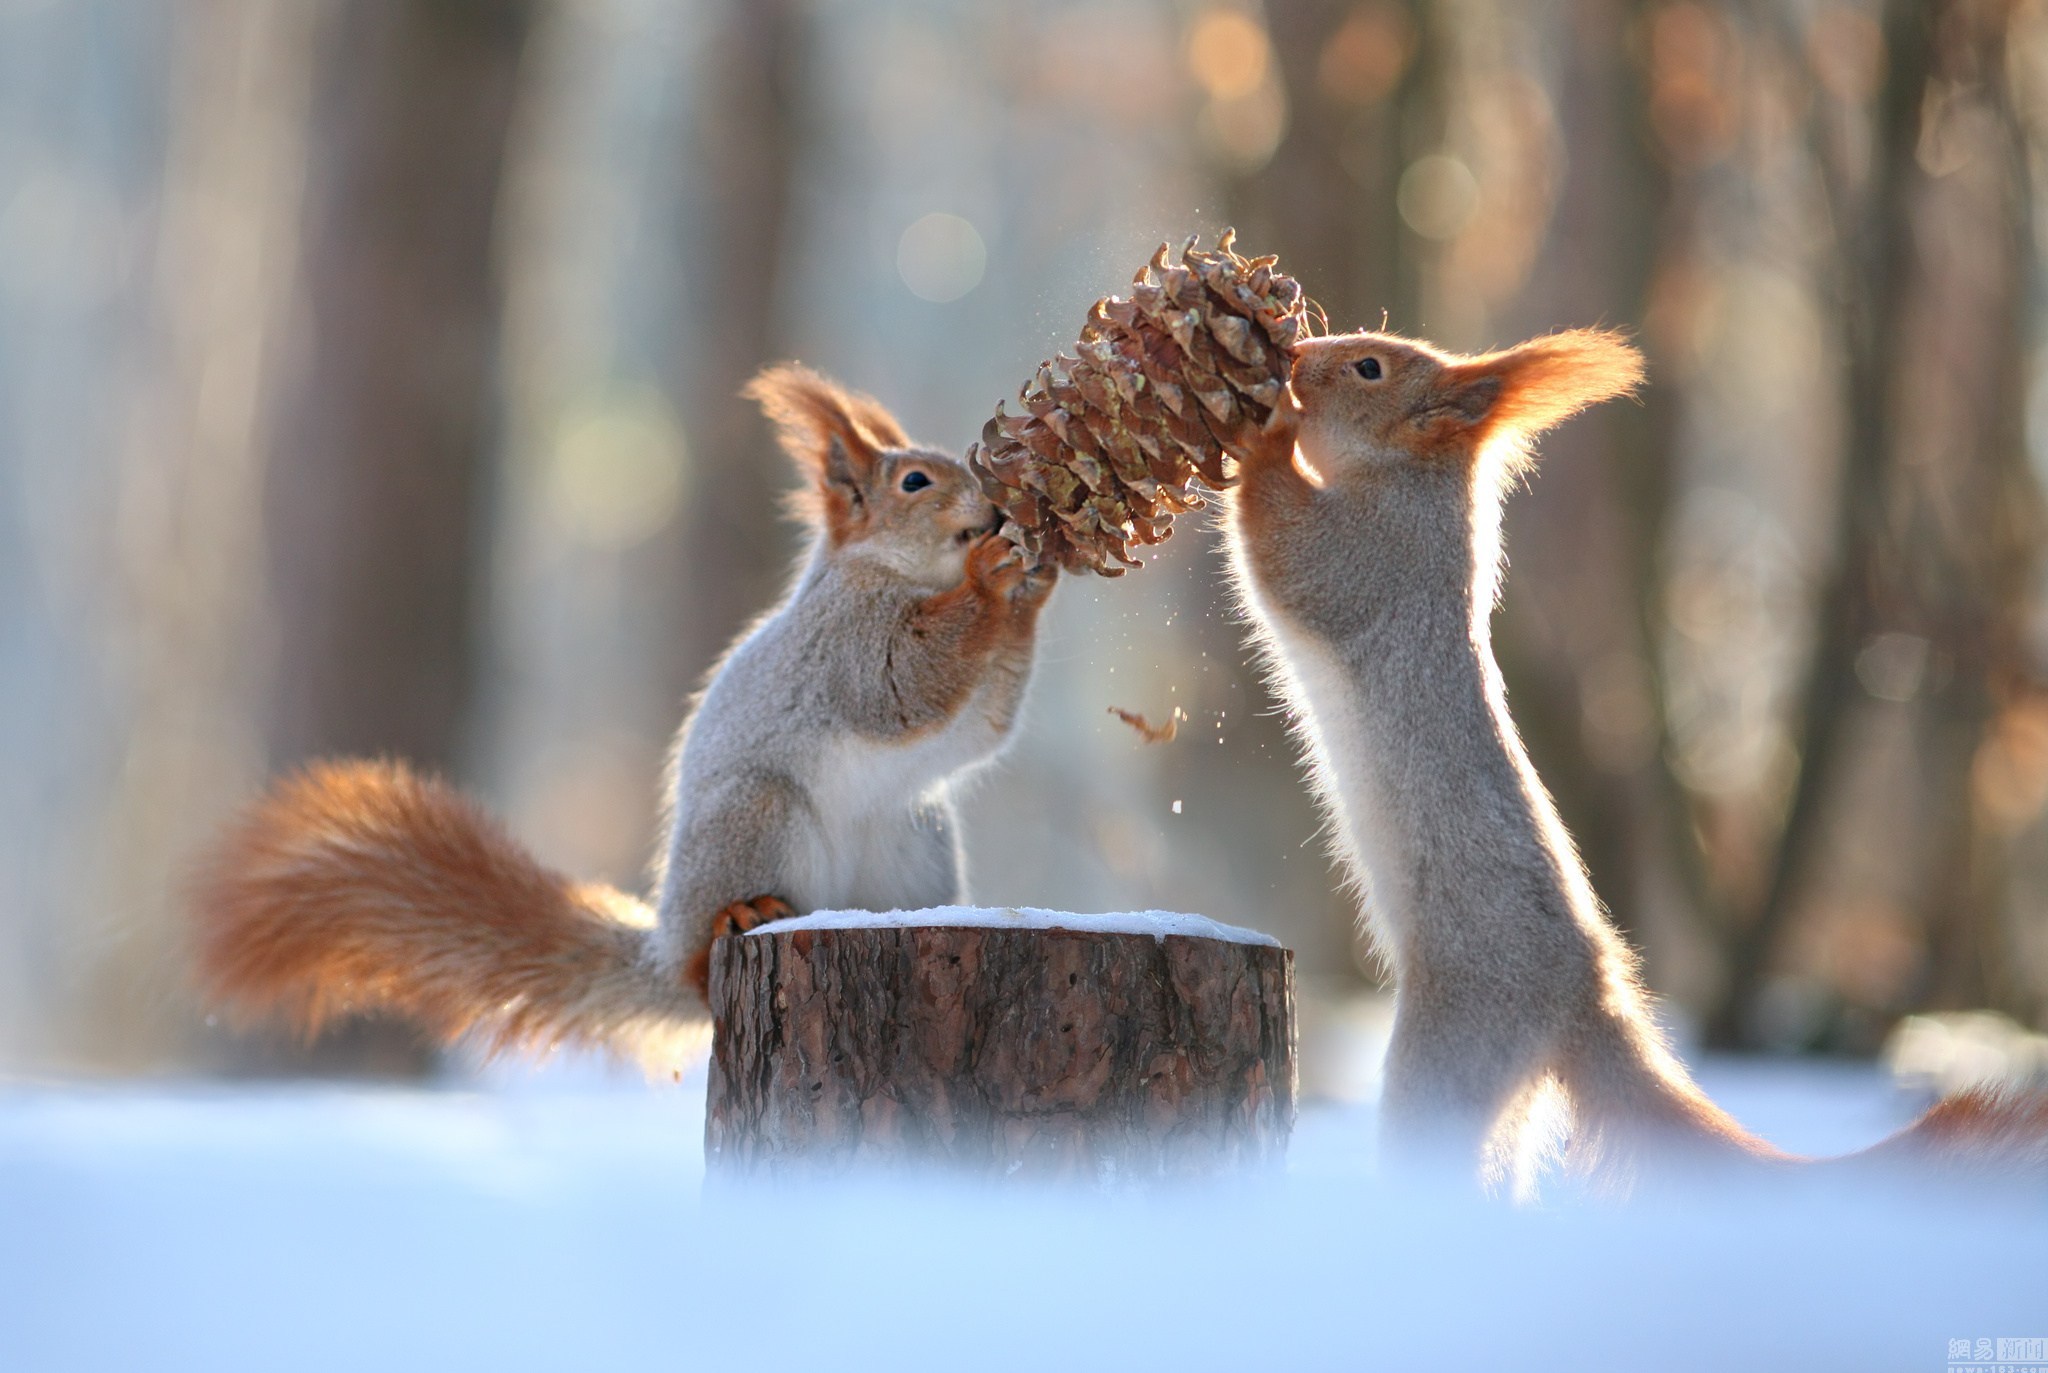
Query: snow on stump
(1002, 1043)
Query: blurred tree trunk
(386, 420)
(1647, 454)
(1871, 260)
(1979, 511)
(1937, 514)
(190, 603)
(1363, 88)
(1364, 91)
(372, 502)
(1578, 639)
(733, 547)
(132, 383)
(637, 509)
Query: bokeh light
(1365, 59)
(1437, 195)
(616, 474)
(941, 258)
(1228, 53)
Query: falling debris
(1154, 734)
(1112, 442)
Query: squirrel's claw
(1284, 421)
(1013, 575)
(1268, 444)
(742, 916)
(995, 565)
(737, 918)
(1038, 582)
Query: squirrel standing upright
(811, 774)
(1365, 543)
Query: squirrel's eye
(915, 481)
(1369, 368)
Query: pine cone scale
(1113, 442)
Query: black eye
(915, 481)
(1369, 368)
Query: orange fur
(737, 918)
(965, 634)
(1430, 405)
(1983, 1132)
(358, 885)
(835, 435)
(1537, 385)
(986, 603)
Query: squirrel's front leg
(1267, 453)
(947, 643)
(1024, 594)
(1272, 513)
(1272, 486)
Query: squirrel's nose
(1307, 355)
(1309, 364)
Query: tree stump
(1000, 1043)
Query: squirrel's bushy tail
(1635, 1104)
(362, 886)
(1986, 1133)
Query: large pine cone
(1112, 442)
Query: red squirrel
(1365, 544)
(811, 773)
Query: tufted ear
(836, 437)
(1525, 390)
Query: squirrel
(1364, 542)
(812, 772)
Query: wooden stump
(1005, 1052)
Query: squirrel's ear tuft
(1527, 389)
(836, 436)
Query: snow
(1158, 924)
(558, 1221)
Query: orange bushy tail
(359, 886)
(1629, 1103)
(1982, 1133)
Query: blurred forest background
(368, 380)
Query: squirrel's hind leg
(1453, 1080)
(749, 837)
(921, 866)
(737, 918)
(941, 868)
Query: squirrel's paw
(995, 565)
(1037, 584)
(737, 918)
(998, 568)
(1263, 445)
(1012, 574)
(742, 916)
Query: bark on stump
(1039, 1053)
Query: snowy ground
(556, 1223)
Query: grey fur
(1371, 596)
(818, 764)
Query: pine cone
(1112, 442)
